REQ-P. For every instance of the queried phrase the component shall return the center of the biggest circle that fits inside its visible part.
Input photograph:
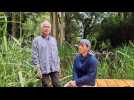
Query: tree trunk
(62, 28)
(53, 26)
(67, 29)
(57, 22)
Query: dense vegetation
(111, 35)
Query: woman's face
(83, 48)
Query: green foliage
(32, 22)
(16, 69)
(117, 29)
(121, 67)
(66, 53)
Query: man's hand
(71, 84)
(39, 71)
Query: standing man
(45, 56)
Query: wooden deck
(114, 83)
(110, 82)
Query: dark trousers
(54, 79)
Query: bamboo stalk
(21, 79)
(5, 32)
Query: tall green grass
(16, 68)
(121, 67)
(66, 53)
(17, 71)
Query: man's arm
(72, 83)
(35, 59)
(75, 74)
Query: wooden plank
(130, 83)
(101, 83)
(112, 83)
(96, 83)
(117, 84)
(108, 82)
(121, 83)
